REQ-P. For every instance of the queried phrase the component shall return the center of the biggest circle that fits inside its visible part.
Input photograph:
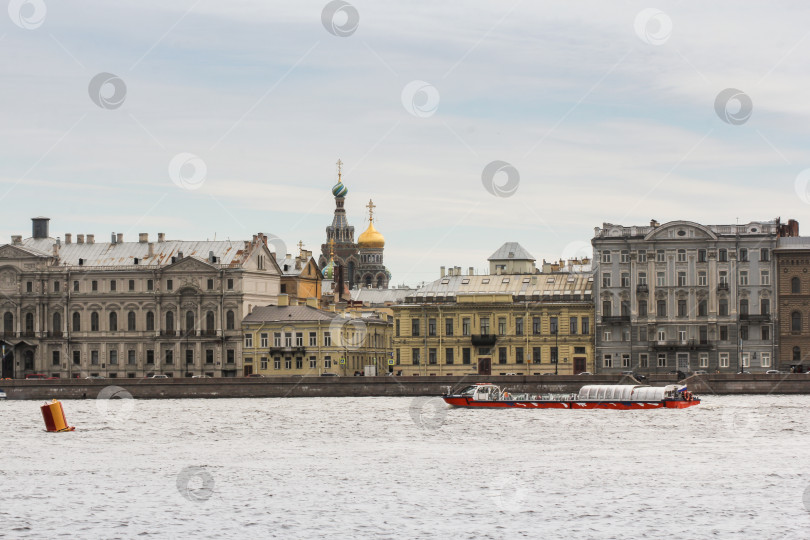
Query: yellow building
(289, 340)
(300, 276)
(497, 324)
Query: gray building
(685, 296)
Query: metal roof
(124, 253)
(793, 242)
(376, 297)
(511, 251)
(548, 286)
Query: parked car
(94, 377)
(700, 372)
(159, 376)
(200, 377)
(774, 372)
(36, 376)
(329, 375)
(585, 373)
(255, 376)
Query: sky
(469, 124)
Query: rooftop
(288, 313)
(511, 251)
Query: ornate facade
(362, 260)
(129, 309)
(793, 269)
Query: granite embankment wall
(380, 386)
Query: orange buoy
(54, 417)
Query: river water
(732, 467)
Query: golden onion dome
(371, 238)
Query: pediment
(13, 252)
(189, 264)
(681, 230)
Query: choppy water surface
(399, 467)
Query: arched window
(8, 323)
(189, 321)
(113, 322)
(209, 321)
(57, 322)
(131, 321)
(77, 322)
(795, 322)
(29, 323)
(94, 322)
(797, 354)
(229, 320)
(379, 282)
(368, 281)
(170, 321)
(795, 285)
(150, 321)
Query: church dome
(371, 238)
(339, 190)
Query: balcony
(672, 344)
(642, 289)
(288, 350)
(484, 340)
(722, 286)
(615, 319)
(755, 317)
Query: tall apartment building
(512, 320)
(129, 309)
(685, 296)
(793, 269)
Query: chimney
(211, 257)
(112, 238)
(119, 238)
(283, 300)
(151, 249)
(91, 238)
(161, 237)
(471, 271)
(39, 226)
(80, 239)
(179, 255)
(441, 271)
(56, 250)
(312, 302)
(16, 240)
(143, 238)
(458, 270)
(68, 238)
(264, 239)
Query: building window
(501, 355)
(313, 339)
(662, 334)
(682, 334)
(660, 279)
(797, 354)
(150, 356)
(743, 277)
(764, 254)
(606, 279)
(606, 256)
(277, 363)
(606, 335)
(113, 322)
(169, 284)
(723, 359)
(625, 256)
(327, 339)
(230, 284)
(432, 356)
(795, 322)
(642, 278)
(93, 358)
(625, 279)
(288, 363)
(723, 277)
(681, 255)
(299, 339)
(724, 333)
(94, 285)
(299, 362)
(536, 355)
(150, 285)
(231, 356)
(150, 321)
(264, 340)
(625, 360)
(746, 359)
(703, 360)
(248, 341)
(607, 361)
(766, 359)
(553, 325)
(288, 339)
(642, 333)
(414, 327)
(642, 255)
(661, 308)
(263, 363)
(131, 284)
(795, 285)
(230, 320)
(722, 255)
(485, 325)
(465, 327)
(448, 356)
(415, 357)
(518, 355)
(431, 328)
(448, 327)
(94, 322)
(585, 321)
(112, 285)
(681, 279)
(210, 284)
(643, 360)
(722, 307)
(660, 256)
(170, 322)
(607, 308)
(642, 308)
(75, 286)
(572, 325)
(554, 355)
(396, 328)
(190, 322)
(313, 362)
(744, 306)
(501, 326)
(764, 277)
(77, 322)
(681, 308)
(765, 332)
(77, 358)
(662, 359)
(744, 333)
(702, 279)
(131, 357)
(703, 308)
(465, 355)
(743, 255)
(113, 357)
(701, 256)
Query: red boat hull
(470, 403)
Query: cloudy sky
(223, 119)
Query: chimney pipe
(16, 239)
(112, 238)
(161, 237)
(39, 227)
(441, 271)
(143, 237)
(91, 239)
(120, 238)
(80, 239)
(68, 238)
(471, 271)
(151, 249)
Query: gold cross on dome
(371, 206)
(332, 247)
(340, 167)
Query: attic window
(681, 233)
(550, 280)
(446, 281)
(571, 279)
(511, 254)
(526, 280)
(465, 281)
(505, 280)
(753, 229)
(485, 281)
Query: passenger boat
(2, 394)
(592, 396)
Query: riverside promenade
(383, 386)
